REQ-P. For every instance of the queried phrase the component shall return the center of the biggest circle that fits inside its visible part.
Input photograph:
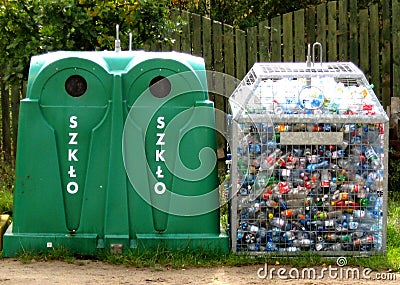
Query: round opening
(160, 87)
(76, 85)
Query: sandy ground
(13, 271)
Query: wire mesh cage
(309, 161)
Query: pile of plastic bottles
(310, 197)
(319, 95)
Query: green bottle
(364, 202)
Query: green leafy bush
(30, 27)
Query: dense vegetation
(245, 14)
(29, 27)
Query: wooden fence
(367, 37)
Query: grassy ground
(199, 258)
(6, 188)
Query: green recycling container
(116, 151)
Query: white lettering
(366, 273)
(281, 273)
(73, 138)
(159, 172)
(160, 187)
(157, 187)
(72, 187)
(159, 155)
(161, 123)
(160, 139)
(71, 172)
(294, 273)
(71, 154)
(260, 270)
(73, 122)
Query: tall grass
(6, 188)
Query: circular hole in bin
(76, 85)
(160, 86)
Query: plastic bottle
(334, 247)
(289, 249)
(364, 202)
(359, 214)
(345, 204)
(281, 160)
(369, 239)
(338, 154)
(334, 214)
(303, 242)
(295, 203)
(320, 246)
(288, 213)
(320, 215)
(331, 237)
(316, 166)
(373, 158)
(271, 159)
(345, 238)
(271, 246)
(378, 207)
(330, 224)
(249, 237)
(254, 149)
(271, 203)
(278, 222)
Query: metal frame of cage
(260, 113)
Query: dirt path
(13, 271)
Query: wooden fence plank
(186, 44)
(386, 53)
(217, 47)
(240, 54)
(207, 43)
(374, 45)
(353, 29)
(287, 27)
(343, 31)
(229, 50)
(218, 80)
(264, 41)
(299, 36)
(332, 31)
(252, 49)
(321, 31)
(396, 44)
(229, 59)
(196, 35)
(276, 42)
(364, 42)
(310, 24)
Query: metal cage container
(309, 161)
